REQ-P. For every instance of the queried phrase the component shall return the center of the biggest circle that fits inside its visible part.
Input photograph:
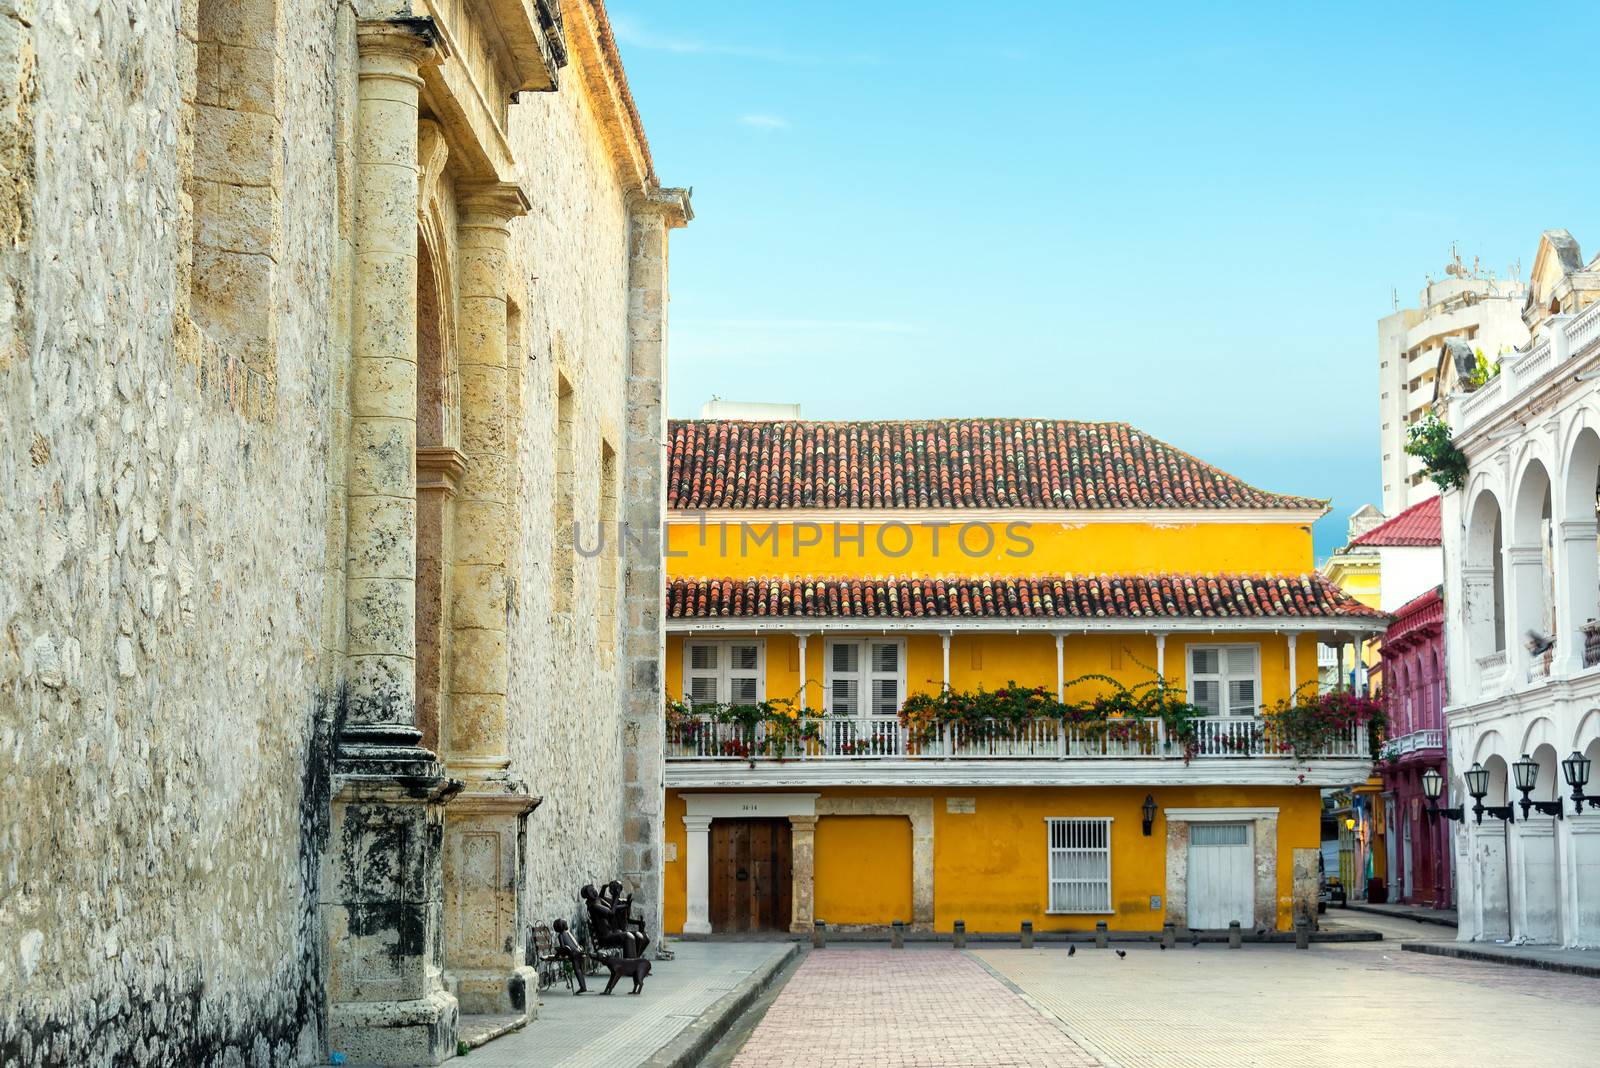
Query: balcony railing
(1415, 742)
(885, 737)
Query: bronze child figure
(568, 949)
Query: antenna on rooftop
(1394, 297)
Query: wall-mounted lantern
(1433, 789)
(1526, 772)
(1477, 778)
(1148, 810)
(1576, 769)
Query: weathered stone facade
(299, 731)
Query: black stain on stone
(175, 1019)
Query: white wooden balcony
(868, 749)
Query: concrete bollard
(1233, 934)
(1100, 934)
(961, 934)
(897, 935)
(819, 935)
(1168, 935)
(1302, 933)
(1027, 934)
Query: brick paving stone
(1344, 1005)
(914, 1008)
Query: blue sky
(1187, 217)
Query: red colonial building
(1420, 852)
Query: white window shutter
(703, 656)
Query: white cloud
(764, 122)
(635, 34)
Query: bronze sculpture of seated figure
(622, 909)
(607, 929)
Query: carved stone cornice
(415, 39)
(440, 467)
(484, 202)
(671, 204)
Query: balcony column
(1161, 659)
(1338, 645)
(944, 642)
(1061, 667)
(1294, 674)
(804, 681)
(381, 897)
(802, 869)
(697, 869)
(486, 828)
(1577, 583)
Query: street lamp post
(1432, 789)
(1526, 773)
(1576, 770)
(1478, 786)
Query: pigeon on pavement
(1121, 953)
(1071, 950)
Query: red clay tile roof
(1182, 596)
(1417, 525)
(944, 463)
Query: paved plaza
(1261, 1005)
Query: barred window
(1080, 864)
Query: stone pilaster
(382, 899)
(802, 872)
(653, 217)
(486, 829)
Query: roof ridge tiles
(975, 463)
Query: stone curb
(1454, 949)
(1414, 915)
(691, 1044)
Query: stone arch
(1547, 787)
(1579, 551)
(232, 181)
(1588, 730)
(1484, 577)
(1531, 556)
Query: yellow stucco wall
(992, 660)
(760, 548)
(990, 867)
(863, 869)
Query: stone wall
(569, 258)
(163, 667)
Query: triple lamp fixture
(1526, 773)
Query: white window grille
(865, 677)
(724, 673)
(1080, 864)
(1225, 680)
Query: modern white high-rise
(1483, 312)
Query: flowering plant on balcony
(1307, 725)
(766, 729)
(1143, 715)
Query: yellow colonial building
(990, 671)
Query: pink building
(1420, 854)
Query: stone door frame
(802, 811)
(1264, 843)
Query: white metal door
(1221, 875)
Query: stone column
(802, 869)
(1525, 592)
(485, 931)
(1577, 580)
(653, 216)
(381, 901)
(697, 870)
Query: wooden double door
(750, 875)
